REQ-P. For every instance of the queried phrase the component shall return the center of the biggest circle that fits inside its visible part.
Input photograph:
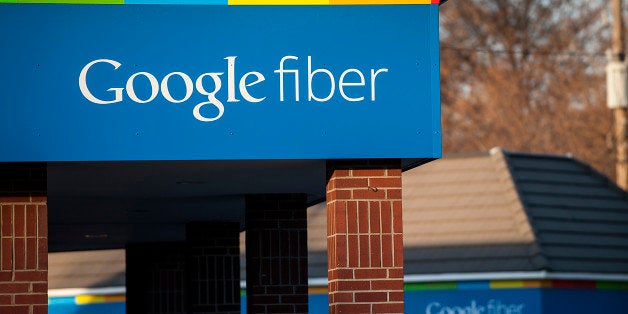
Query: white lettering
(231, 79)
(243, 85)
(342, 84)
(189, 88)
(211, 97)
(139, 91)
(154, 87)
(281, 71)
(85, 91)
(310, 76)
(373, 77)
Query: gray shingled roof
(504, 212)
(493, 212)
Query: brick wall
(213, 267)
(155, 278)
(201, 275)
(276, 253)
(364, 237)
(23, 239)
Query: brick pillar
(155, 278)
(276, 253)
(364, 237)
(213, 267)
(23, 239)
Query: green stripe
(612, 285)
(431, 286)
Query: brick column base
(23, 239)
(213, 267)
(364, 237)
(276, 253)
(201, 275)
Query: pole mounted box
(617, 85)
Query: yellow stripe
(89, 299)
(507, 284)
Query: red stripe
(573, 284)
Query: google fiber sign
(219, 80)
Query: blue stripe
(61, 300)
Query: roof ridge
(501, 159)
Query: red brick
(343, 183)
(386, 215)
(398, 250)
(31, 220)
(339, 173)
(387, 250)
(20, 253)
(351, 308)
(376, 251)
(395, 273)
(40, 309)
(42, 254)
(341, 251)
(339, 195)
(396, 296)
(363, 217)
(344, 273)
(343, 297)
(39, 199)
(6, 275)
(393, 194)
(365, 251)
(354, 285)
(31, 276)
(368, 194)
(340, 219)
(374, 217)
(370, 273)
(42, 220)
(354, 257)
(7, 254)
(5, 299)
(13, 287)
(396, 218)
(31, 253)
(389, 182)
(391, 284)
(19, 220)
(41, 287)
(39, 298)
(388, 307)
(368, 172)
(7, 220)
(371, 297)
(393, 172)
(352, 217)
(15, 199)
(15, 309)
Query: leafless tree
(526, 75)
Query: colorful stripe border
(87, 299)
(231, 2)
(423, 286)
(517, 284)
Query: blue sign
(170, 82)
